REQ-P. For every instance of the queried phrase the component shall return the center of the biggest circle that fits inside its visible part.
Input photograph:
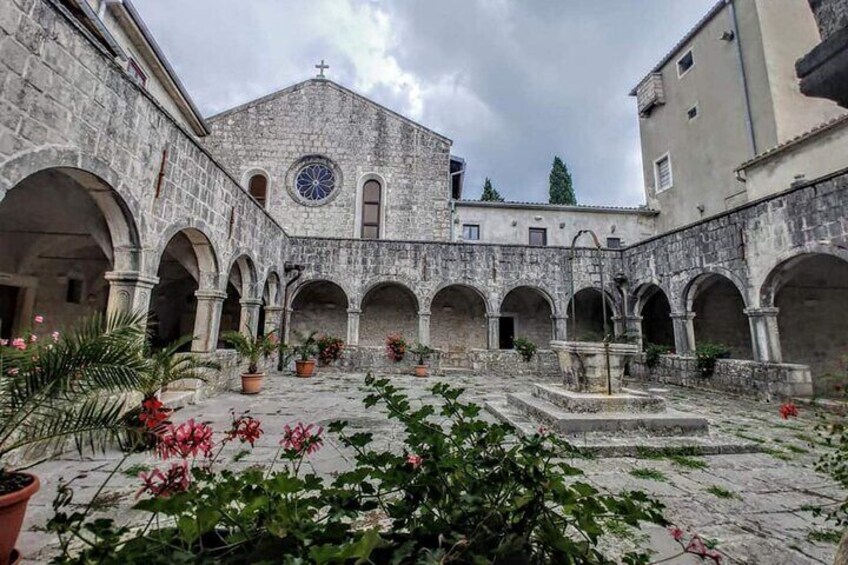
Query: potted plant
(525, 348)
(55, 388)
(706, 355)
(423, 353)
(253, 348)
(305, 352)
(330, 349)
(395, 347)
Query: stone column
(207, 320)
(684, 332)
(424, 328)
(765, 335)
(631, 327)
(289, 331)
(272, 319)
(353, 326)
(249, 316)
(560, 328)
(129, 292)
(494, 333)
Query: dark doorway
(8, 307)
(506, 337)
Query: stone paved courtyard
(757, 505)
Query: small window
(662, 172)
(692, 112)
(258, 187)
(73, 294)
(685, 63)
(614, 242)
(136, 74)
(372, 193)
(538, 237)
(471, 232)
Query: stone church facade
(109, 200)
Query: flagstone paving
(757, 506)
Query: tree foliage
(561, 187)
(490, 194)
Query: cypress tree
(489, 192)
(561, 188)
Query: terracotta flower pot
(12, 509)
(304, 369)
(251, 383)
(421, 370)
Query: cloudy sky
(512, 82)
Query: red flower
(302, 439)
(186, 440)
(788, 409)
(245, 428)
(153, 413)
(414, 460)
(176, 479)
(675, 532)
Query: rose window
(315, 182)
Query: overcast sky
(512, 82)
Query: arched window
(371, 202)
(258, 187)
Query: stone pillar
(765, 335)
(289, 332)
(353, 326)
(129, 292)
(494, 333)
(424, 328)
(249, 316)
(207, 320)
(631, 327)
(560, 328)
(684, 332)
(272, 319)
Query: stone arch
(62, 229)
(809, 291)
(239, 312)
(272, 289)
(208, 265)
(304, 282)
(652, 304)
(691, 287)
(585, 314)
(526, 311)
(427, 299)
(243, 264)
(320, 305)
(719, 304)
(388, 307)
(458, 318)
(401, 280)
(787, 260)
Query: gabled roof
(682, 43)
(331, 84)
(801, 137)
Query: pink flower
(13, 372)
(414, 460)
(177, 479)
(4, 342)
(301, 439)
(245, 428)
(186, 440)
(39, 319)
(153, 413)
(675, 532)
(55, 336)
(33, 338)
(19, 343)
(542, 430)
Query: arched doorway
(270, 298)
(319, 306)
(388, 308)
(586, 316)
(61, 231)
(458, 320)
(719, 314)
(526, 312)
(241, 282)
(655, 310)
(811, 294)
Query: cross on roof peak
(321, 66)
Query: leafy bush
(395, 347)
(653, 353)
(307, 348)
(706, 355)
(459, 490)
(525, 348)
(250, 347)
(330, 349)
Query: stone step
(669, 423)
(175, 399)
(629, 401)
(628, 446)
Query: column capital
(493, 315)
(273, 308)
(210, 295)
(355, 311)
(559, 317)
(767, 311)
(139, 279)
(423, 313)
(251, 302)
(682, 315)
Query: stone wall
(748, 378)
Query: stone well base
(582, 402)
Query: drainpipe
(749, 121)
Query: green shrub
(330, 349)
(706, 356)
(525, 348)
(653, 353)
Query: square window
(692, 112)
(538, 237)
(662, 173)
(471, 232)
(614, 242)
(685, 63)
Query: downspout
(749, 121)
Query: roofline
(557, 207)
(202, 127)
(718, 7)
(301, 84)
(821, 129)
